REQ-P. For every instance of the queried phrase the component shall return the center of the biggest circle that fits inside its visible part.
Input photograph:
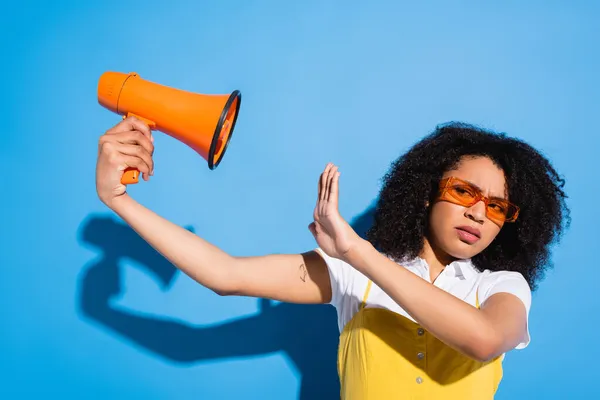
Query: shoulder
(345, 280)
(348, 286)
(492, 282)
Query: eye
(498, 207)
(464, 191)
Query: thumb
(313, 229)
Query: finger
(326, 182)
(323, 204)
(134, 162)
(135, 137)
(333, 197)
(131, 138)
(324, 177)
(315, 228)
(330, 174)
(136, 151)
(320, 188)
(132, 123)
(322, 183)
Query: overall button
(420, 331)
(419, 380)
(420, 356)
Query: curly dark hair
(401, 216)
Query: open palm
(332, 233)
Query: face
(463, 231)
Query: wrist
(357, 251)
(117, 203)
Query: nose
(476, 212)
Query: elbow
(227, 283)
(225, 287)
(223, 281)
(223, 292)
(484, 355)
(486, 348)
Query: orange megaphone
(204, 122)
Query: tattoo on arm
(303, 272)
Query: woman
(441, 289)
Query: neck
(436, 259)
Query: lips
(468, 229)
(468, 235)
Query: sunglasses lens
(501, 210)
(464, 194)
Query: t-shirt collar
(462, 269)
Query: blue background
(88, 310)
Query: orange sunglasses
(463, 193)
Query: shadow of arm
(172, 339)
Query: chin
(461, 250)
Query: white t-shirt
(459, 278)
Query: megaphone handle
(132, 175)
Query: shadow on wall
(307, 334)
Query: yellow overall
(384, 355)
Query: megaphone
(204, 122)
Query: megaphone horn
(204, 122)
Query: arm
(481, 334)
(294, 278)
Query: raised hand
(127, 144)
(332, 233)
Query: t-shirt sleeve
(513, 283)
(339, 275)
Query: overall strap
(367, 290)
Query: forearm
(197, 258)
(453, 321)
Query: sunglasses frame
(446, 183)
